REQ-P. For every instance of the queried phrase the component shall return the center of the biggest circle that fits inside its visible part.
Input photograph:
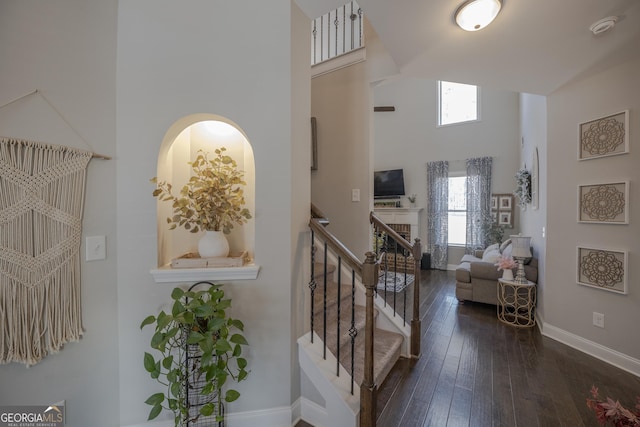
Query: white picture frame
(505, 202)
(505, 218)
(604, 136)
(604, 203)
(603, 269)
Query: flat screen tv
(388, 184)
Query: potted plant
(212, 200)
(200, 348)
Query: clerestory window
(457, 103)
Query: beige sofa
(477, 275)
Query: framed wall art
(504, 218)
(603, 269)
(505, 202)
(502, 209)
(605, 136)
(606, 203)
(494, 203)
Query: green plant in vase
(212, 200)
(198, 344)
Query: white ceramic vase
(507, 274)
(213, 244)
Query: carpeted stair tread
(345, 325)
(386, 352)
(318, 270)
(332, 296)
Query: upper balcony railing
(336, 33)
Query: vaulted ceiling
(533, 46)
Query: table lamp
(521, 250)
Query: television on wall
(388, 184)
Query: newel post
(415, 320)
(368, 387)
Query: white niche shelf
(166, 274)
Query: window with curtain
(478, 201)
(457, 210)
(437, 224)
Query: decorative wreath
(523, 188)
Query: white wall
(340, 103)
(67, 49)
(409, 138)
(173, 60)
(176, 59)
(533, 125)
(567, 305)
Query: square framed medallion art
(603, 269)
(605, 203)
(605, 136)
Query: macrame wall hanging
(42, 190)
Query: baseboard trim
(273, 417)
(594, 349)
(312, 413)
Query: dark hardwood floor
(476, 371)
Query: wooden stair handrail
(319, 215)
(341, 250)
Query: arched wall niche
(180, 145)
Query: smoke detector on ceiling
(603, 25)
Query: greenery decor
(492, 232)
(197, 325)
(212, 199)
(523, 187)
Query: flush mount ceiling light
(474, 15)
(604, 24)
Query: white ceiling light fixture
(474, 15)
(604, 24)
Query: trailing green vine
(198, 325)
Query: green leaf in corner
(207, 409)
(147, 321)
(231, 396)
(177, 293)
(239, 339)
(155, 399)
(155, 411)
(149, 362)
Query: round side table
(516, 303)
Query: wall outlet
(598, 319)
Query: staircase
(354, 338)
(387, 345)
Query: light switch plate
(355, 195)
(95, 248)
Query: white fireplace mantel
(409, 216)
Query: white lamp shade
(474, 15)
(521, 246)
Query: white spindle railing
(336, 33)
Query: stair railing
(367, 271)
(390, 245)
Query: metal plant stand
(194, 384)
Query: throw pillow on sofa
(491, 254)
